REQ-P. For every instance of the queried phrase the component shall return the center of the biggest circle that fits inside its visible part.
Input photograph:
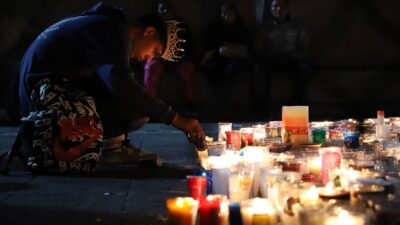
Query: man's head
(280, 10)
(152, 37)
(229, 13)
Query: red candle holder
(331, 157)
(210, 210)
(233, 137)
(196, 186)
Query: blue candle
(208, 174)
(351, 139)
(235, 217)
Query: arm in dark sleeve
(131, 96)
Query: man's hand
(189, 126)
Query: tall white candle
(239, 187)
(220, 180)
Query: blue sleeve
(132, 95)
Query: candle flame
(179, 202)
(343, 214)
(329, 188)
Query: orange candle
(182, 210)
(295, 125)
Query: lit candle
(222, 127)
(259, 134)
(233, 138)
(247, 135)
(329, 188)
(182, 210)
(314, 165)
(258, 211)
(295, 125)
(220, 180)
(255, 155)
(212, 211)
(240, 186)
(330, 191)
(309, 197)
(344, 217)
(330, 160)
(240, 181)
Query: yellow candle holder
(182, 210)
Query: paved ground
(113, 195)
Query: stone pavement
(115, 195)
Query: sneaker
(128, 154)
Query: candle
(258, 211)
(264, 172)
(212, 211)
(220, 180)
(235, 218)
(247, 135)
(259, 134)
(222, 127)
(196, 185)
(330, 160)
(344, 217)
(318, 135)
(335, 134)
(330, 191)
(293, 165)
(352, 139)
(240, 181)
(295, 125)
(233, 139)
(274, 130)
(208, 175)
(314, 166)
(239, 187)
(255, 155)
(219, 166)
(182, 210)
(309, 197)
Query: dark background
(355, 54)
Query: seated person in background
(281, 45)
(183, 66)
(227, 45)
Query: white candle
(222, 127)
(344, 218)
(309, 197)
(259, 134)
(239, 187)
(258, 211)
(314, 165)
(220, 180)
(255, 155)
